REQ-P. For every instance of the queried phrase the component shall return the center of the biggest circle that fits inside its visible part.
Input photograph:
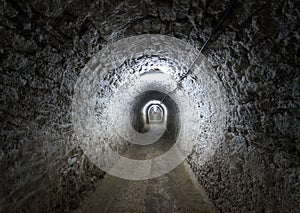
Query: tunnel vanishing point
(150, 106)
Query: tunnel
(150, 106)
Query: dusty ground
(176, 191)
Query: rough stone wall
(42, 52)
(44, 45)
(257, 59)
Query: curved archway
(155, 114)
(150, 105)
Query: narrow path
(176, 191)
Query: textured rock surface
(257, 169)
(45, 44)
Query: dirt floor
(176, 191)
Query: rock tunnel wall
(45, 44)
(257, 168)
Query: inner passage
(155, 114)
(149, 111)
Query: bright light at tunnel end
(100, 104)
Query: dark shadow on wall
(60, 189)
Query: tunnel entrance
(148, 108)
(147, 111)
(155, 114)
